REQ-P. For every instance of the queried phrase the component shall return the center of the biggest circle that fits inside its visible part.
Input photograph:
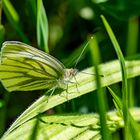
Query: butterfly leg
(77, 88)
(65, 95)
(51, 92)
(76, 84)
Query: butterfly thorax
(69, 74)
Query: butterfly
(25, 68)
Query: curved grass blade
(101, 102)
(13, 17)
(87, 83)
(42, 27)
(69, 126)
(124, 74)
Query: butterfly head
(69, 74)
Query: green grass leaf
(124, 73)
(134, 127)
(14, 19)
(101, 102)
(87, 83)
(42, 27)
(69, 126)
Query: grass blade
(69, 126)
(132, 47)
(42, 27)
(134, 126)
(124, 74)
(100, 94)
(87, 83)
(14, 19)
(2, 29)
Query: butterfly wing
(26, 68)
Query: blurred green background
(70, 23)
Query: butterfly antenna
(78, 59)
(91, 73)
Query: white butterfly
(25, 68)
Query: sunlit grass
(28, 23)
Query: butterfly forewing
(26, 68)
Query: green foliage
(42, 27)
(100, 93)
(124, 74)
(120, 9)
(14, 19)
(69, 126)
(133, 125)
(64, 33)
(111, 72)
